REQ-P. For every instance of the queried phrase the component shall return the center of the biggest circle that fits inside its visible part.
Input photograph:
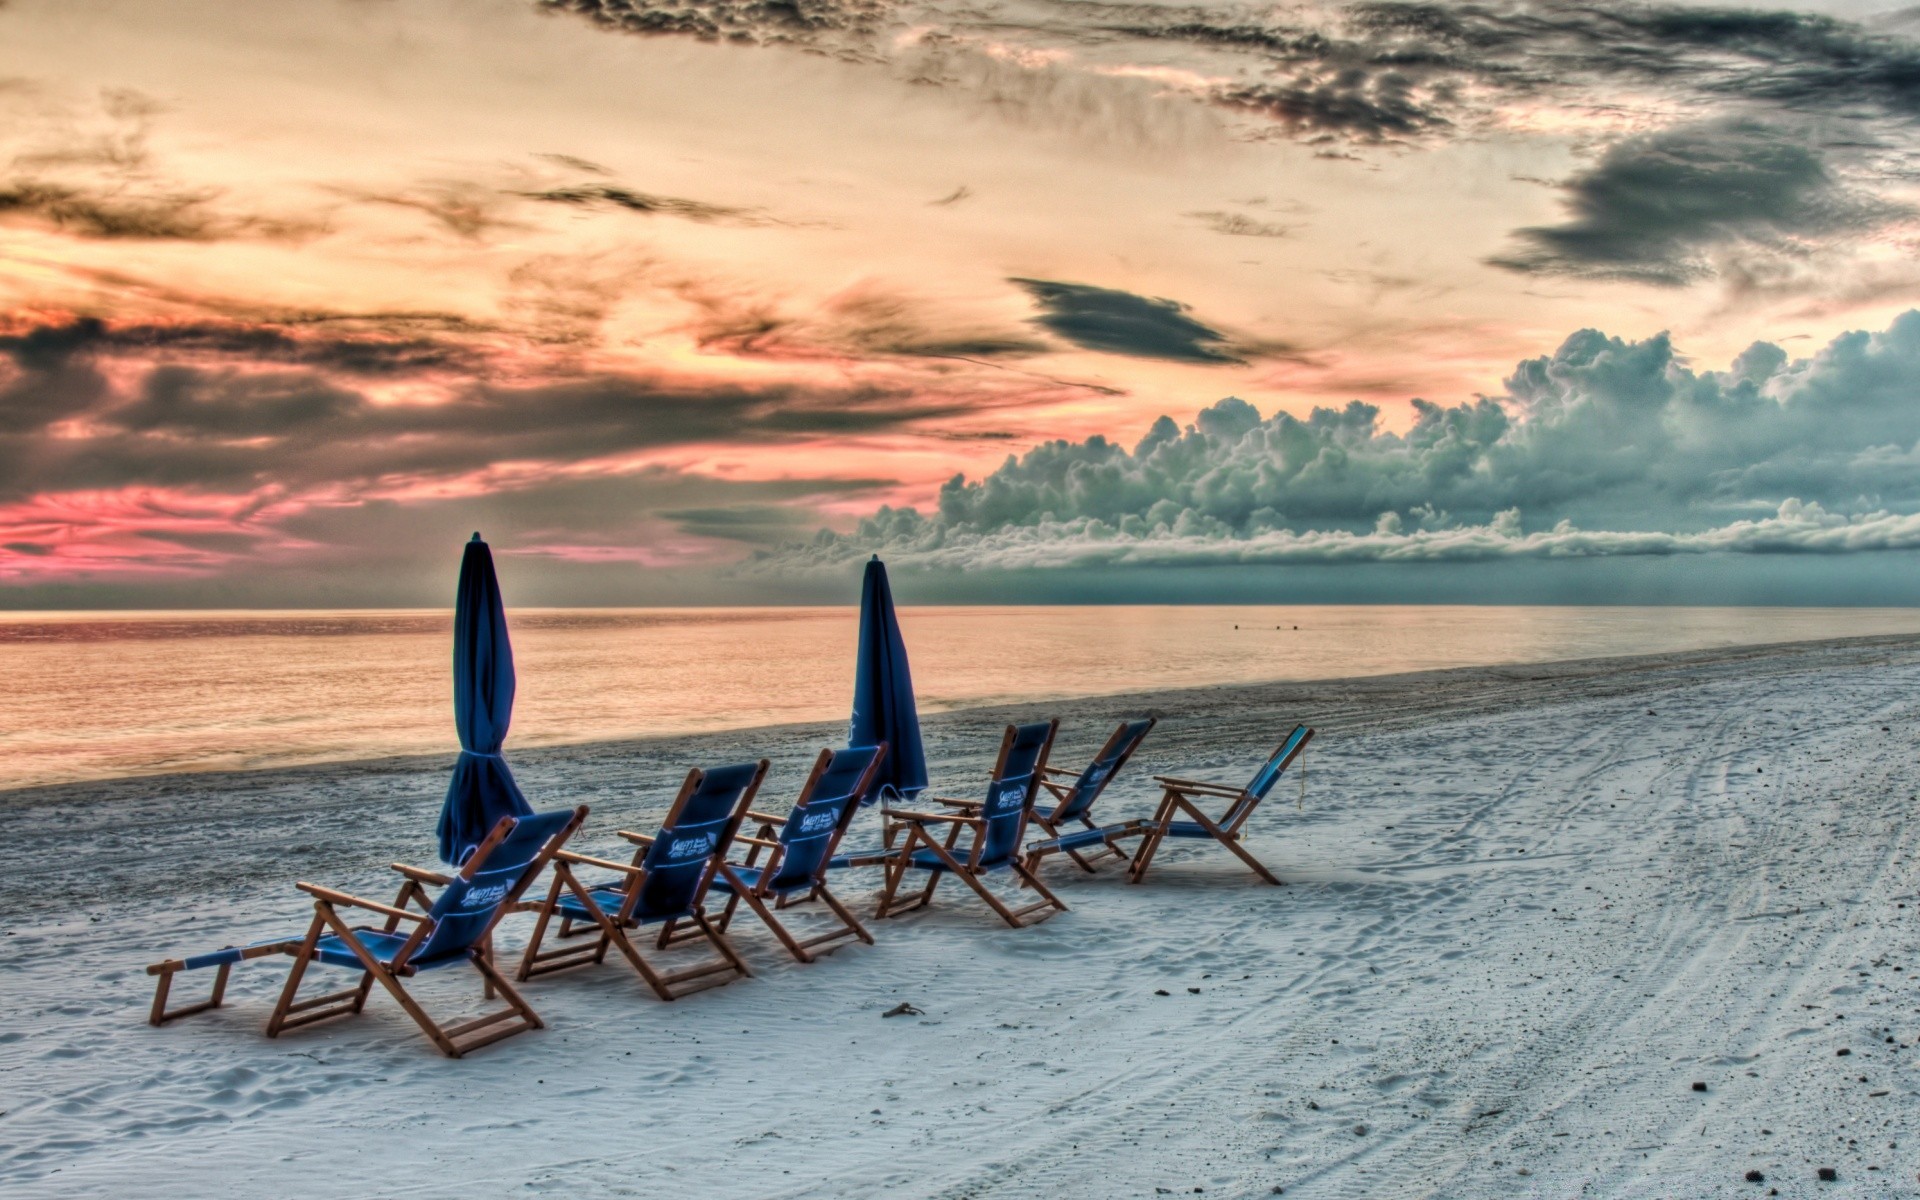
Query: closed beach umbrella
(483, 789)
(883, 709)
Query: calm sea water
(93, 695)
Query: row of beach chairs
(666, 893)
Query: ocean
(102, 695)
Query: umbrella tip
(875, 558)
(476, 535)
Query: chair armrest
(1060, 790)
(1058, 771)
(950, 802)
(333, 897)
(769, 818)
(754, 841)
(422, 875)
(907, 814)
(587, 860)
(1193, 785)
(638, 839)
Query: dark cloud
(573, 163)
(1604, 447)
(1377, 71)
(45, 346)
(610, 195)
(1353, 102)
(754, 524)
(1655, 209)
(1117, 322)
(240, 429)
(1240, 225)
(864, 322)
(181, 216)
(466, 209)
(768, 22)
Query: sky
(708, 301)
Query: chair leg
(532, 952)
(1232, 843)
(1033, 881)
(160, 1015)
(840, 910)
(277, 1020)
(760, 909)
(1143, 857)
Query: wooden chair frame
(920, 830)
(1181, 796)
(1052, 779)
(614, 929)
(453, 1040)
(757, 896)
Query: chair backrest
(1100, 772)
(1016, 777)
(695, 836)
(1266, 777)
(826, 806)
(501, 867)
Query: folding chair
(1074, 801)
(997, 824)
(455, 927)
(795, 868)
(665, 884)
(1181, 796)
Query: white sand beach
(1528, 910)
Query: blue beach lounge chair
(1074, 801)
(998, 826)
(455, 927)
(1181, 796)
(665, 885)
(795, 868)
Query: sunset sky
(707, 301)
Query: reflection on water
(92, 695)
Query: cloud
(768, 22)
(87, 407)
(1658, 208)
(44, 346)
(611, 195)
(1366, 106)
(862, 322)
(1117, 322)
(1240, 225)
(1384, 71)
(1602, 448)
(178, 216)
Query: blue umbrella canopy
(883, 708)
(483, 789)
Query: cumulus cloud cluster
(1604, 447)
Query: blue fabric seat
(384, 946)
(1076, 839)
(608, 896)
(1187, 829)
(927, 860)
(749, 878)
